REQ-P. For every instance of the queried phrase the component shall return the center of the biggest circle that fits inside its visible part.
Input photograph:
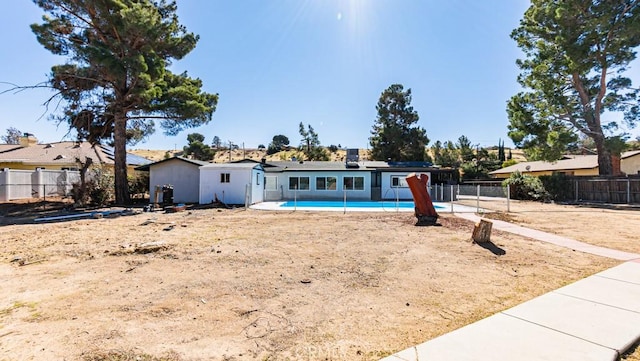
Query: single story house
(573, 165)
(248, 181)
(364, 181)
(181, 173)
(231, 183)
(31, 155)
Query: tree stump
(482, 232)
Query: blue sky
(276, 63)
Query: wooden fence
(607, 190)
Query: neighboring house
(30, 155)
(181, 173)
(232, 183)
(630, 162)
(573, 165)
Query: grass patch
(128, 355)
(16, 305)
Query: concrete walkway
(554, 239)
(596, 318)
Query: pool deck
(388, 207)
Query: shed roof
(232, 166)
(196, 163)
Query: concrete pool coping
(446, 208)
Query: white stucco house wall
(181, 173)
(316, 180)
(248, 182)
(231, 183)
(362, 181)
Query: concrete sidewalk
(596, 318)
(554, 239)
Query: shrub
(525, 187)
(98, 188)
(139, 184)
(559, 186)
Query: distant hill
(224, 156)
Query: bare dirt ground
(251, 285)
(607, 226)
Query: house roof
(132, 159)
(232, 166)
(195, 162)
(61, 153)
(8, 147)
(311, 166)
(569, 162)
(281, 166)
(631, 153)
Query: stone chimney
(28, 139)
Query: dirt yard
(606, 226)
(254, 285)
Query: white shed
(181, 173)
(232, 183)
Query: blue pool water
(351, 204)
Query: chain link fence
(474, 198)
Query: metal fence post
(478, 199)
(576, 190)
(345, 202)
(508, 198)
(451, 200)
(628, 191)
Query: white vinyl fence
(42, 183)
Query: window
(225, 178)
(258, 179)
(326, 183)
(399, 182)
(299, 183)
(353, 183)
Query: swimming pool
(351, 204)
(354, 206)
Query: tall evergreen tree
(395, 135)
(465, 148)
(197, 149)
(277, 142)
(501, 155)
(116, 80)
(310, 144)
(577, 52)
